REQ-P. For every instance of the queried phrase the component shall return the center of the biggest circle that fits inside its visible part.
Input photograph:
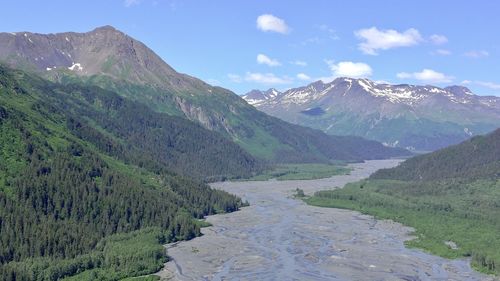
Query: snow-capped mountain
(411, 116)
(256, 97)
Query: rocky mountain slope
(410, 116)
(110, 59)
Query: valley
(281, 238)
(129, 150)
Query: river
(281, 238)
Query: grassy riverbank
(443, 214)
(302, 172)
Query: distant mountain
(110, 59)
(256, 97)
(414, 117)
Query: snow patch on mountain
(256, 97)
(410, 95)
(76, 66)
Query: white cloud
(303, 77)
(271, 23)
(129, 3)
(375, 39)
(311, 40)
(332, 33)
(263, 59)
(477, 54)
(491, 85)
(438, 39)
(382, 82)
(442, 52)
(267, 78)
(427, 76)
(404, 75)
(350, 69)
(299, 63)
(235, 78)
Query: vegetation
(81, 194)
(261, 135)
(301, 172)
(476, 158)
(449, 195)
(135, 134)
(299, 193)
(115, 257)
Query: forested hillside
(79, 165)
(451, 197)
(135, 134)
(476, 158)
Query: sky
(244, 45)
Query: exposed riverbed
(281, 238)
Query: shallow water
(281, 238)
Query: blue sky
(244, 45)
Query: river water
(281, 238)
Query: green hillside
(134, 133)
(75, 172)
(263, 136)
(451, 197)
(477, 158)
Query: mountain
(410, 116)
(112, 60)
(89, 182)
(256, 97)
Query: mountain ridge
(416, 117)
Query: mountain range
(414, 117)
(109, 59)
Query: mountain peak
(272, 92)
(254, 97)
(459, 90)
(104, 50)
(105, 28)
